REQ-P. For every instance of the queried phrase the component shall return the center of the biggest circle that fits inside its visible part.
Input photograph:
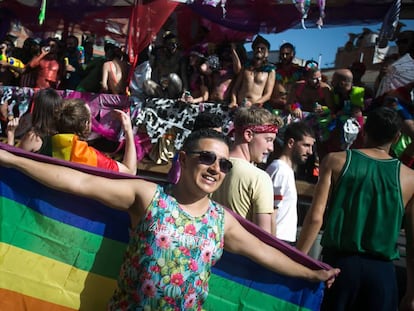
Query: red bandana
(266, 128)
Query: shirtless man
(50, 70)
(310, 94)
(223, 78)
(254, 84)
(166, 80)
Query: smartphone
(46, 49)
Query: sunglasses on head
(208, 158)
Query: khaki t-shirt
(246, 190)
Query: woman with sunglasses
(173, 229)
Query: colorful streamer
(42, 14)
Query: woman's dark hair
(191, 142)
(47, 105)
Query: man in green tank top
(366, 193)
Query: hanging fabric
(42, 13)
(303, 8)
(145, 22)
(321, 5)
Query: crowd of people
(289, 122)
(64, 64)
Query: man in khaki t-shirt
(247, 189)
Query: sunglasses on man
(208, 158)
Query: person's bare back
(116, 72)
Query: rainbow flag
(70, 148)
(60, 252)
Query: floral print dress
(168, 260)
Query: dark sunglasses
(208, 158)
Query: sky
(312, 43)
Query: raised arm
(239, 240)
(237, 65)
(105, 74)
(35, 61)
(129, 162)
(11, 129)
(116, 193)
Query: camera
(46, 48)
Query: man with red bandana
(247, 189)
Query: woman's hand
(125, 120)
(11, 129)
(12, 125)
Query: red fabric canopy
(239, 20)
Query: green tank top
(366, 209)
